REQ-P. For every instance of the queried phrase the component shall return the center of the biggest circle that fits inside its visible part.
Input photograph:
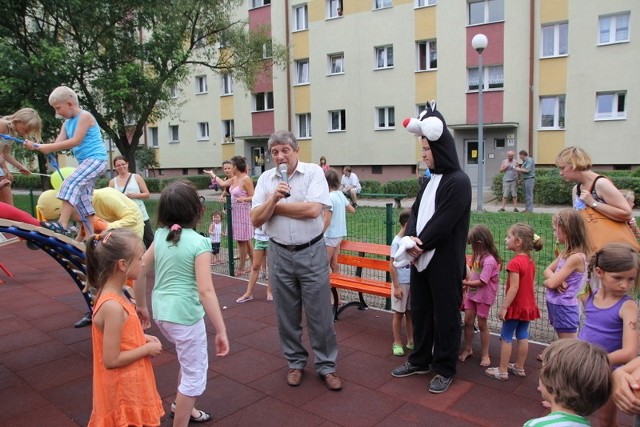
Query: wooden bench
(363, 256)
(396, 197)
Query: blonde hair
(572, 225)
(530, 240)
(569, 368)
(63, 94)
(30, 118)
(576, 157)
(629, 196)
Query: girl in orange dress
(124, 387)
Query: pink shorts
(481, 309)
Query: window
(334, 8)
(337, 120)
(201, 84)
(259, 3)
(492, 78)
(203, 131)
(382, 4)
(263, 101)
(423, 3)
(499, 143)
(427, 55)
(336, 63)
(385, 118)
(300, 17)
(555, 40)
(552, 112)
(228, 131)
(384, 57)
(485, 11)
(610, 105)
(420, 108)
(267, 50)
(173, 92)
(174, 135)
(153, 136)
(304, 125)
(614, 28)
(226, 83)
(302, 72)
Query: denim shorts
(520, 327)
(564, 318)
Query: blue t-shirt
(338, 225)
(175, 295)
(91, 146)
(404, 273)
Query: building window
(201, 84)
(203, 131)
(300, 17)
(302, 72)
(552, 112)
(492, 78)
(173, 92)
(423, 3)
(337, 120)
(334, 8)
(427, 55)
(614, 28)
(263, 101)
(499, 143)
(267, 50)
(485, 11)
(420, 108)
(259, 3)
(153, 136)
(304, 125)
(385, 118)
(555, 40)
(226, 83)
(611, 105)
(384, 57)
(376, 170)
(174, 135)
(227, 131)
(336, 63)
(382, 4)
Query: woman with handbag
(601, 204)
(134, 187)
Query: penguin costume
(440, 219)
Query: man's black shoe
(85, 321)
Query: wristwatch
(594, 204)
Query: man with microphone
(290, 200)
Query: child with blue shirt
(335, 219)
(401, 301)
(80, 133)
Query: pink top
(488, 272)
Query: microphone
(285, 178)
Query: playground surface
(46, 366)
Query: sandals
(516, 371)
(496, 374)
(202, 417)
(244, 299)
(398, 350)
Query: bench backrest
(363, 252)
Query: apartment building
(555, 73)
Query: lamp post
(479, 43)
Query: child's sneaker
(496, 374)
(56, 227)
(398, 350)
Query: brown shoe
(333, 381)
(294, 377)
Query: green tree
(123, 57)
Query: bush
(25, 182)
(410, 187)
(371, 186)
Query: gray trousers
(301, 280)
(529, 183)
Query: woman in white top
(134, 187)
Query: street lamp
(479, 43)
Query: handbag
(602, 229)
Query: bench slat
(356, 261)
(369, 248)
(367, 286)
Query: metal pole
(480, 188)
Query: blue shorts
(215, 248)
(520, 327)
(564, 318)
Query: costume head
(49, 205)
(431, 125)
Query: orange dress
(125, 396)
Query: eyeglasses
(426, 148)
